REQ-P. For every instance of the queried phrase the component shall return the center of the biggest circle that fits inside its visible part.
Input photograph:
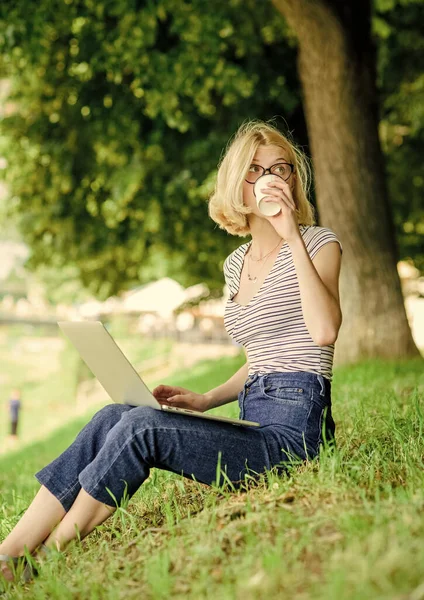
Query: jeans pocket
(285, 393)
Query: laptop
(116, 374)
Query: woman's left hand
(285, 222)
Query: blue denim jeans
(121, 443)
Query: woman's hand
(178, 396)
(285, 222)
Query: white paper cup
(268, 208)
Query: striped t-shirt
(271, 326)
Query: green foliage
(121, 114)
(398, 28)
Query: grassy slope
(350, 526)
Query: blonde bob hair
(226, 205)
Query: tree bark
(337, 69)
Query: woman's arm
(319, 293)
(178, 396)
(228, 391)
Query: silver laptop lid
(108, 363)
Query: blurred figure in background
(15, 405)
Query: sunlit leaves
(119, 113)
(120, 118)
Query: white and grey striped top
(271, 326)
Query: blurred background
(114, 116)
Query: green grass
(349, 526)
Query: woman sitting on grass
(283, 308)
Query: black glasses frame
(269, 171)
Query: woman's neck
(264, 238)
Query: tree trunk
(336, 65)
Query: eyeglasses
(282, 169)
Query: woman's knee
(111, 413)
(139, 424)
(143, 416)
